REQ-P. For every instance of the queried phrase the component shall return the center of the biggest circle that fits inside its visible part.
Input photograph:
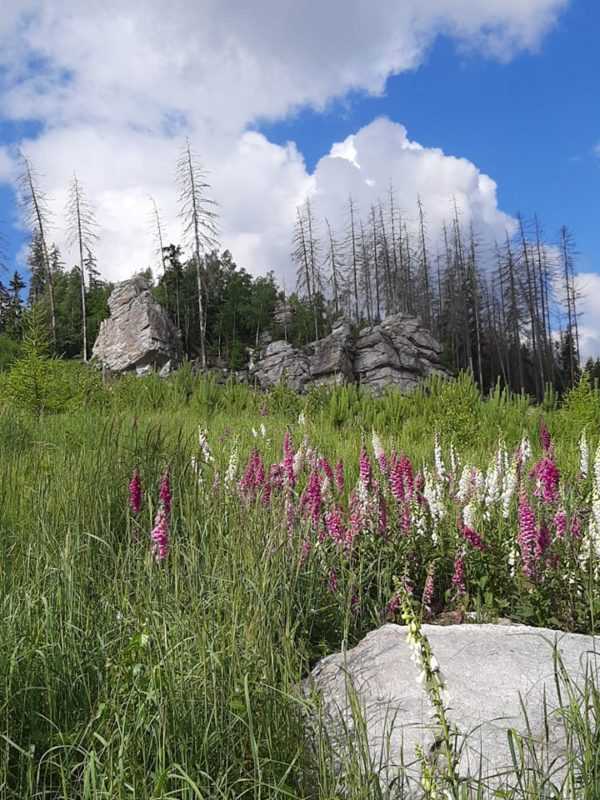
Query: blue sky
(532, 124)
(495, 102)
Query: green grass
(123, 678)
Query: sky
(492, 102)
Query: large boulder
(498, 679)
(138, 335)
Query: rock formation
(397, 352)
(138, 335)
(489, 671)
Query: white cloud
(587, 284)
(116, 87)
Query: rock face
(278, 358)
(330, 360)
(138, 335)
(489, 670)
(397, 352)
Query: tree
(37, 218)
(15, 306)
(157, 226)
(81, 233)
(197, 212)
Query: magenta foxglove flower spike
(160, 537)
(164, 495)
(135, 492)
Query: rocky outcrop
(278, 359)
(331, 358)
(328, 360)
(138, 335)
(397, 352)
(494, 677)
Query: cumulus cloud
(587, 284)
(115, 87)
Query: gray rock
(138, 335)
(490, 672)
(398, 352)
(280, 358)
(332, 358)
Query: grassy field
(286, 529)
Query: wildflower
(429, 591)
(356, 523)
(288, 459)
(547, 477)
(231, 472)
(440, 469)
(523, 452)
(326, 467)
(468, 515)
(263, 430)
(314, 497)
(380, 454)
(299, 456)
(527, 536)
(266, 495)
(289, 517)
(458, 577)
(402, 479)
(560, 521)
(464, 485)
(473, 537)
(383, 516)
(492, 486)
(392, 606)
(333, 523)
(160, 536)
(365, 468)
(263, 410)
(509, 487)
(584, 452)
(135, 492)
(276, 476)
(545, 437)
(433, 495)
(217, 483)
(164, 495)
(204, 446)
(302, 419)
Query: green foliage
(284, 401)
(10, 350)
(580, 408)
(123, 678)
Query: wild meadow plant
(178, 675)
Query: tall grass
(122, 678)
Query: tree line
(505, 313)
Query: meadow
(177, 555)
